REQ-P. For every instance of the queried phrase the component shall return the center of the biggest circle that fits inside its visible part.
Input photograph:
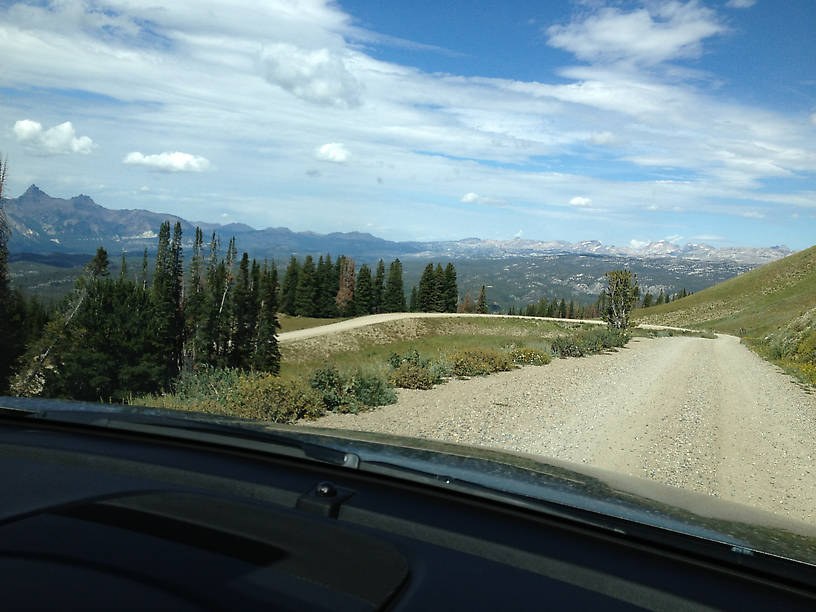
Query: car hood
(535, 482)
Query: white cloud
(740, 3)
(169, 162)
(318, 75)
(475, 198)
(675, 238)
(333, 152)
(659, 32)
(751, 214)
(638, 244)
(60, 139)
(144, 188)
(518, 234)
(813, 118)
(580, 201)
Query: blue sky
(624, 122)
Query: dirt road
(706, 415)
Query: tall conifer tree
(394, 297)
(363, 292)
(378, 289)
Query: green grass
(759, 301)
(288, 323)
(370, 347)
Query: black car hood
(525, 480)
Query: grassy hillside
(759, 301)
(773, 308)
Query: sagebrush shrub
(530, 356)
(477, 362)
(267, 397)
(412, 376)
(352, 393)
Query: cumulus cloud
(580, 201)
(333, 152)
(740, 3)
(659, 32)
(319, 75)
(169, 162)
(58, 140)
(475, 198)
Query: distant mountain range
(44, 224)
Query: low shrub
(410, 375)
(477, 362)
(530, 356)
(589, 341)
(271, 398)
(344, 393)
(371, 390)
(205, 382)
(567, 346)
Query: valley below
(705, 415)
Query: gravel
(706, 415)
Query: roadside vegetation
(351, 381)
(772, 309)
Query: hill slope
(772, 307)
(759, 301)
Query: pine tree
(363, 293)
(562, 309)
(289, 287)
(168, 320)
(541, 308)
(306, 289)
(244, 318)
(123, 267)
(267, 354)
(571, 310)
(100, 264)
(413, 302)
(647, 300)
(439, 289)
(7, 331)
(345, 293)
(378, 289)
(143, 276)
(450, 294)
(427, 293)
(481, 302)
(467, 303)
(394, 296)
(661, 299)
(194, 301)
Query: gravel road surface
(706, 415)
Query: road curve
(349, 324)
(706, 415)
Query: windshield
(580, 231)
